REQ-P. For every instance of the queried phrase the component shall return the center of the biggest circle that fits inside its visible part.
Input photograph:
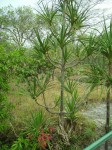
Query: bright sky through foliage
(107, 4)
(100, 10)
(16, 3)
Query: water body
(97, 112)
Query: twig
(13, 129)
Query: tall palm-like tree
(101, 73)
(63, 49)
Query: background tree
(18, 24)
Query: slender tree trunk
(107, 127)
(62, 73)
(62, 95)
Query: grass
(24, 105)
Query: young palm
(62, 49)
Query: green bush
(36, 134)
(20, 144)
(4, 104)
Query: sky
(102, 9)
(107, 4)
(16, 3)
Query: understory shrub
(42, 133)
(37, 133)
(84, 132)
(5, 106)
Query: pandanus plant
(100, 73)
(62, 48)
(105, 44)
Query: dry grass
(24, 105)
(98, 94)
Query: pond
(97, 112)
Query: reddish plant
(43, 139)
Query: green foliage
(36, 123)
(21, 144)
(90, 46)
(37, 85)
(4, 105)
(41, 45)
(18, 24)
(95, 75)
(70, 86)
(48, 14)
(72, 100)
(59, 49)
(58, 46)
(99, 66)
(4, 147)
(17, 59)
(105, 41)
(36, 134)
(85, 132)
(75, 15)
